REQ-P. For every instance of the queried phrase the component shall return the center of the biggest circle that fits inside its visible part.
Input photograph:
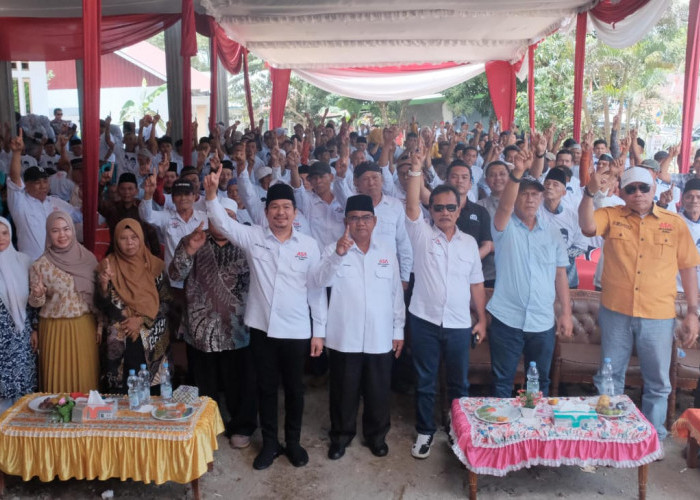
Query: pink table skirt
(497, 449)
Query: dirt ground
(360, 475)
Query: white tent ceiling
(308, 34)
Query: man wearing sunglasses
(645, 247)
(447, 270)
(531, 261)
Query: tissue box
(570, 418)
(83, 412)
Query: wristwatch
(515, 179)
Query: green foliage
(134, 110)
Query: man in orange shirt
(645, 248)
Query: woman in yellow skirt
(63, 285)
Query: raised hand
(105, 276)
(666, 198)
(164, 165)
(598, 180)
(17, 143)
(211, 184)
(215, 162)
(344, 243)
(38, 289)
(196, 239)
(149, 187)
(539, 142)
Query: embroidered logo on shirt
(665, 227)
(296, 225)
(621, 224)
(383, 263)
(301, 256)
(473, 217)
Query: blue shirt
(526, 266)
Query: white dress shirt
(172, 227)
(444, 272)
(366, 310)
(280, 293)
(29, 215)
(326, 220)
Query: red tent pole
(213, 82)
(531, 84)
(579, 61)
(690, 87)
(92, 15)
(188, 49)
(248, 93)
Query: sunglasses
(632, 188)
(450, 207)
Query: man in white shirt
(30, 203)
(277, 313)
(365, 328)
(447, 270)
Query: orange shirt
(642, 259)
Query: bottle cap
(143, 366)
(532, 363)
(606, 360)
(165, 364)
(132, 372)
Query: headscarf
(134, 277)
(75, 259)
(14, 280)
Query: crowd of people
(353, 248)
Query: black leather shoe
(379, 451)
(297, 455)
(266, 456)
(336, 451)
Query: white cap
(229, 204)
(262, 172)
(636, 174)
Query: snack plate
(187, 414)
(34, 403)
(628, 408)
(501, 414)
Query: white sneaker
(421, 448)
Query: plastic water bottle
(145, 379)
(166, 387)
(608, 386)
(134, 385)
(533, 379)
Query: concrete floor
(360, 475)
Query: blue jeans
(654, 341)
(507, 344)
(429, 342)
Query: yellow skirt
(68, 355)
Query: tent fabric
(230, 53)
(611, 12)
(62, 38)
(690, 90)
(621, 33)
(396, 84)
(187, 51)
(501, 78)
(280, 89)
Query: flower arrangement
(529, 399)
(64, 409)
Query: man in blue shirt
(531, 262)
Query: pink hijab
(75, 259)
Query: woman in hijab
(17, 338)
(133, 295)
(63, 285)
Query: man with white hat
(645, 247)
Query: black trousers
(275, 359)
(233, 373)
(353, 375)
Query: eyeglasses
(354, 219)
(450, 207)
(632, 188)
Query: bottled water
(608, 386)
(134, 385)
(166, 387)
(145, 379)
(533, 379)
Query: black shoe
(297, 455)
(267, 455)
(379, 451)
(336, 451)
